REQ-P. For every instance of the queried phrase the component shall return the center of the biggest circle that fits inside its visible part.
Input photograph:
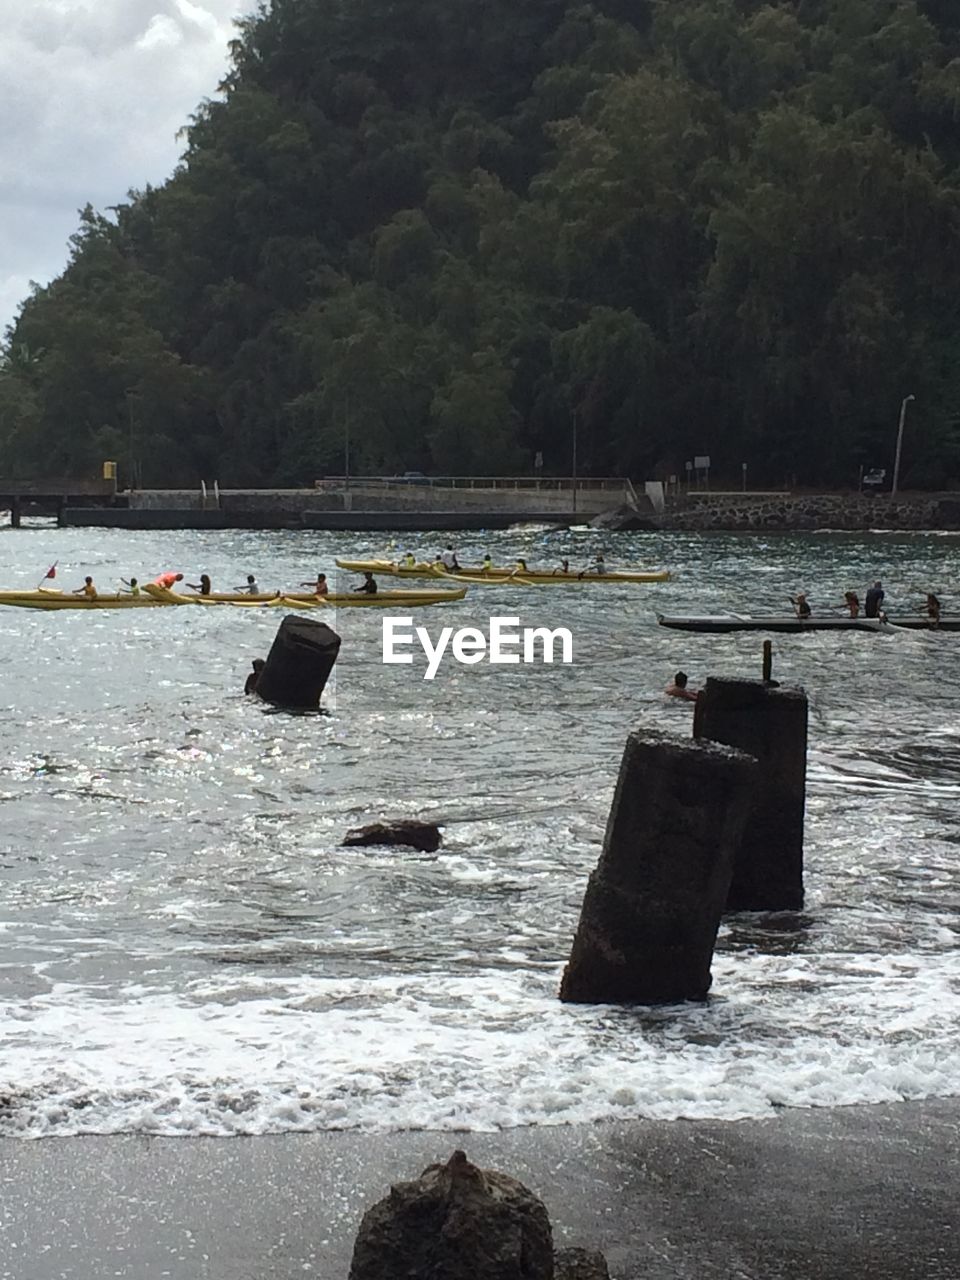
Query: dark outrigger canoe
(723, 622)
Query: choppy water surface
(186, 948)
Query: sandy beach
(806, 1195)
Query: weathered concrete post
(298, 664)
(652, 907)
(770, 723)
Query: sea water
(187, 948)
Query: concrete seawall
(280, 518)
(423, 510)
(731, 512)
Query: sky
(92, 96)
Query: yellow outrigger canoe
(156, 597)
(501, 574)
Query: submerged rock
(424, 836)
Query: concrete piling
(299, 664)
(652, 907)
(767, 661)
(770, 723)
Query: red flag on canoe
(52, 571)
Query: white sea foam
(481, 1054)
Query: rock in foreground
(458, 1222)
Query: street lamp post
(346, 446)
(130, 393)
(573, 460)
(896, 462)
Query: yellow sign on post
(109, 471)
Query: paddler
(167, 580)
(250, 587)
(486, 565)
(801, 605)
(933, 609)
(368, 586)
(409, 561)
(448, 559)
(88, 590)
(597, 566)
(874, 601)
(132, 587)
(203, 586)
(320, 587)
(564, 567)
(852, 601)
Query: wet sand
(806, 1195)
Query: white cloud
(92, 96)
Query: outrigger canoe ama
(501, 573)
(726, 622)
(153, 596)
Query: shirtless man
(677, 688)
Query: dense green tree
(449, 236)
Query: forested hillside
(702, 226)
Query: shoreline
(824, 1194)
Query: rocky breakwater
(733, 512)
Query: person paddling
(203, 586)
(852, 601)
(320, 587)
(368, 585)
(598, 566)
(167, 580)
(250, 588)
(874, 601)
(88, 590)
(801, 605)
(132, 587)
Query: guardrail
(553, 484)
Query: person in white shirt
(449, 559)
